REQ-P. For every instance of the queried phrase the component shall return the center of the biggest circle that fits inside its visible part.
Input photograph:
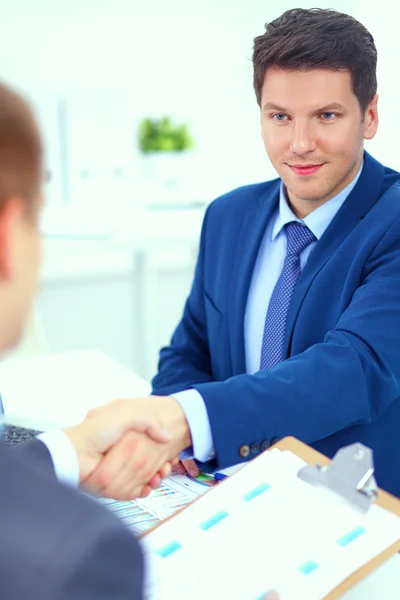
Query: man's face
(313, 132)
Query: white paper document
(174, 493)
(264, 529)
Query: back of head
(20, 150)
(20, 207)
(305, 39)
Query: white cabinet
(122, 298)
(95, 312)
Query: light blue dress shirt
(266, 272)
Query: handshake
(127, 447)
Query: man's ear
(371, 119)
(11, 215)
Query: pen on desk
(220, 476)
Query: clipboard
(385, 500)
(319, 463)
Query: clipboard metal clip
(350, 474)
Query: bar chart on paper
(174, 493)
(264, 529)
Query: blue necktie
(298, 238)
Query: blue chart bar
(308, 567)
(168, 550)
(214, 520)
(349, 537)
(256, 492)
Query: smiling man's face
(313, 131)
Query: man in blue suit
(292, 326)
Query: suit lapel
(246, 252)
(359, 202)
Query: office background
(121, 229)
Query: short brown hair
(316, 38)
(21, 152)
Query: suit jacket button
(254, 448)
(244, 451)
(265, 445)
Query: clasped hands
(126, 447)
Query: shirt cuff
(63, 455)
(194, 407)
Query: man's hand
(136, 460)
(188, 465)
(130, 468)
(101, 431)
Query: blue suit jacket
(340, 382)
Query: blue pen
(219, 476)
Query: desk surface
(382, 584)
(59, 389)
(56, 390)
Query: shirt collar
(319, 219)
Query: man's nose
(303, 139)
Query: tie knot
(298, 238)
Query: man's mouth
(305, 169)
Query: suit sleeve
(36, 454)
(187, 359)
(347, 380)
(106, 563)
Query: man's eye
(328, 116)
(279, 117)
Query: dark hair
(20, 149)
(303, 39)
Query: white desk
(382, 584)
(59, 389)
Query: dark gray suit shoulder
(36, 454)
(56, 543)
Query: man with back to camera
(291, 325)
(56, 544)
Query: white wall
(185, 58)
(382, 20)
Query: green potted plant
(161, 135)
(167, 160)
